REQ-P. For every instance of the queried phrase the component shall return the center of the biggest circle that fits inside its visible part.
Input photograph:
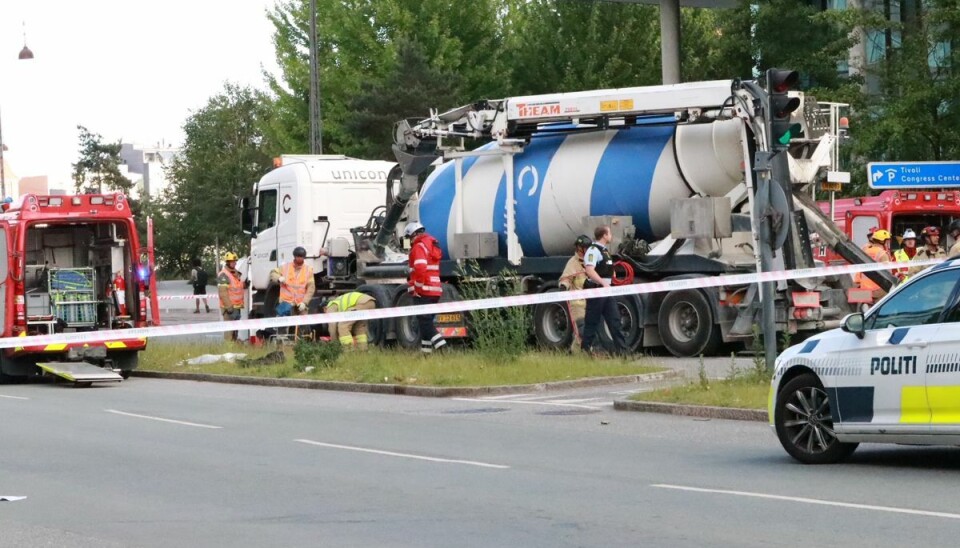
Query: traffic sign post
(897, 175)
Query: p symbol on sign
(891, 173)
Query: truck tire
(631, 325)
(551, 325)
(687, 327)
(804, 427)
(408, 332)
(379, 330)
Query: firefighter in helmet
(296, 284)
(230, 288)
(876, 249)
(573, 277)
(908, 249)
(931, 249)
(954, 231)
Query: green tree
(224, 153)
(98, 166)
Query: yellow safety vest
(347, 301)
(296, 283)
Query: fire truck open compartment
(68, 268)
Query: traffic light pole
(763, 215)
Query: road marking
(812, 501)
(184, 423)
(581, 400)
(528, 402)
(14, 397)
(404, 455)
(507, 396)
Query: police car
(891, 375)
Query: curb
(408, 390)
(702, 411)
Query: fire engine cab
(64, 258)
(892, 210)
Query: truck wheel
(408, 332)
(551, 324)
(631, 325)
(804, 423)
(686, 324)
(378, 330)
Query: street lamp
(25, 54)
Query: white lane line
(528, 402)
(184, 423)
(403, 455)
(505, 397)
(812, 501)
(581, 400)
(14, 397)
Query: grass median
(456, 367)
(742, 389)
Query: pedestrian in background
(199, 279)
(598, 265)
(230, 289)
(424, 282)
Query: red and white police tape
(455, 306)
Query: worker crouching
(352, 334)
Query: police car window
(266, 210)
(916, 304)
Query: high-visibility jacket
(294, 290)
(878, 253)
(901, 256)
(230, 288)
(348, 301)
(425, 255)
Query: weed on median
(457, 367)
(742, 388)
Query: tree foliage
(223, 155)
(98, 166)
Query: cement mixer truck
(511, 183)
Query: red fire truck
(893, 210)
(66, 255)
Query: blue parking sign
(895, 175)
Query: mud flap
(80, 372)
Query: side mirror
(853, 323)
(246, 216)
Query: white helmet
(412, 228)
(909, 234)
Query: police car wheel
(804, 423)
(686, 323)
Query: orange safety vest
(876, 252)
(235, 290)
(296, 283)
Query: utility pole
(316, 130)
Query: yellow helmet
(230, 256)
(881, 235)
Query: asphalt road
(174, 463)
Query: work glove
(302, 307)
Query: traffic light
(781, 106)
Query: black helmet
(583, 241)
(299, 252)
(954, 225)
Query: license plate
(449, 318)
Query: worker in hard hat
(424, 282)
(230, 287)
(954, 231)
(876, 249)
(908, 249)
(572, 278)
(931, 249)
(351, 334)
(296, 284)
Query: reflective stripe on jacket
(234, 288)
(296, 283)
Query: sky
(130, 70)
